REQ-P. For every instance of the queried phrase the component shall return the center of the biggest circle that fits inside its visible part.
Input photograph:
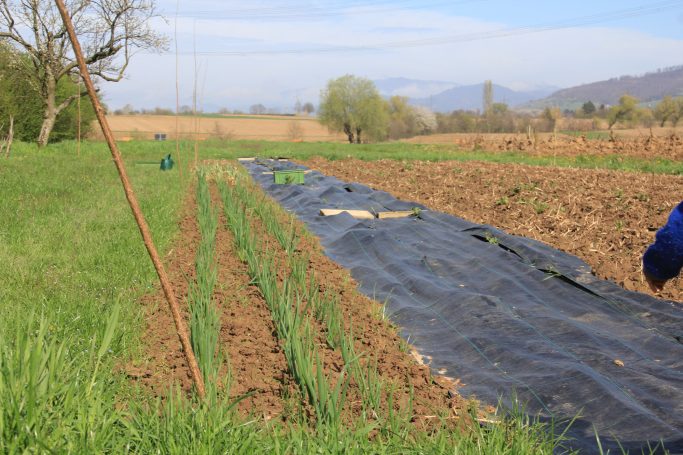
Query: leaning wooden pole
(134, 206)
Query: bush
(21, 100)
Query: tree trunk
(358, 130)
(46, 129)
(49, 115)
(348, 132)
(10, 137)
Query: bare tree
(257, 109)
(308, 108)
(110, 32)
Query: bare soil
(264, 127)
(247, 335)
(607, 218)
(249, 339)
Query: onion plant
(204, 318)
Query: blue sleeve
(664, 258)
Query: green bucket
(295, 177)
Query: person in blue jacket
(663, 259)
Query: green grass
(70, 257)
(591, 135)
(406, 151)
(72, 268)
(149, 151)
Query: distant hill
(649, 87)
(470, 97)
(412, 88)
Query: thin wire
(638, 11)
(314, 12)
(194, 96)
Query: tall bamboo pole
(177, 95)
(78, 138)
(134, 206)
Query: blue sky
(273, 52)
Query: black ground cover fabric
(507, 315)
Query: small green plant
(204, 318)
(642, 197)
(492, 239)
(503, 201)
(520, 187)
(538, 206)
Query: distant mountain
(470, 97)
(411, 88)
(649, 87)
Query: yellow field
(261, 127)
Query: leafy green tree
(401, 118)
(626, 110)
(499, 108)
(588, 108)
(679, 112)
(499, 118)
(552, 115)
(669, 109)
(353, 105)
(258, 109)
(17, 97)
(20, 99)
(308, 108)
(109, 30)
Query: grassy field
(73, 267)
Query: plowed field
(231, 127)
(661, 143)
(607, 218)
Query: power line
(592, 19)
(317, 11)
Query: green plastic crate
(289, 177)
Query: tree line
(353, 106)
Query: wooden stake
(134, 206)
(358, 214)
(397, 214)
(78, 143)
(194, 95)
